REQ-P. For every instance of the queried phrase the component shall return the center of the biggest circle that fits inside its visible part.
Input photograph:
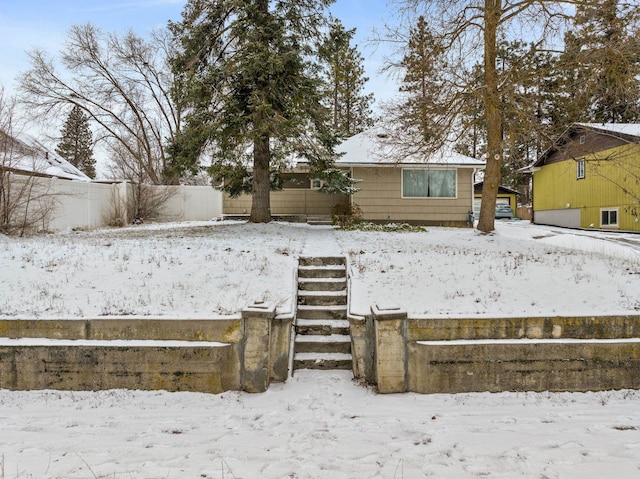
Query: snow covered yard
(199, 270)
(318, 424)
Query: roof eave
(406, 165)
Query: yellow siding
(606, 176)
(380, 198)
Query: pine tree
(528, 96)
(601, 64)
(76, 143)
(250, 83)
(422, 105)
(344, 73)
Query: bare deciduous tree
(123, 83)
(462, 28)
(26, 204)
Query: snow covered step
(322, 326)
(322, 298)
(322, 284)
(319, 220)
(322, 361)
(322, 261)
(330, 271)
(322, 312)
(334, 343)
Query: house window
(295, 181)
(580, 169)
(425, 183)
(583, 139)
(316, 183)
(609, 218)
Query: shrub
(387, 227)
(346, 215)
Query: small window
(295, 181)
(580, 169)
(609, 218)
(316, 183)
(425, 183)
(583, 138)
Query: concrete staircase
(319, 220)
(322, 339)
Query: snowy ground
(203, 269)
(318, 424)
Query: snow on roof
(632, 129)
(33, 157)
(372, 147)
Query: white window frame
(610, 210)
(583, 139)
(455, 173)
(316, 183)
(581, 168)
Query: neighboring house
(437, 190)
(29, 157)
(590, 178)
(506, 196)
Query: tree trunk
(260, 203)
(492, 173)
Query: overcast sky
(28, 24)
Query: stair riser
(321, 273)
(313, 261)
(322, 285)
(323, 365)
(322, 300)
(319, 347)
(320, 330)
(322, 314)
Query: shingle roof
(31, 156)
(370, 148)
(631, 129)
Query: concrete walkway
(321, 241)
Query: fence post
(390, 347)
(257, 319)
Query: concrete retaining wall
(207, 368)
(449, 355)
(523, 365)
(234, 353)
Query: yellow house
(590, 178)
(428, 190)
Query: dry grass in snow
(198, 270)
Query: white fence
(93, 205)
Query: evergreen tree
(344, 73)
(76, 143)
(248, 73)
(464, 30)
(422, 106)
(528, 96)
(601, 64)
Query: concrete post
(280, 348)
(257, 318)
(390, 346)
